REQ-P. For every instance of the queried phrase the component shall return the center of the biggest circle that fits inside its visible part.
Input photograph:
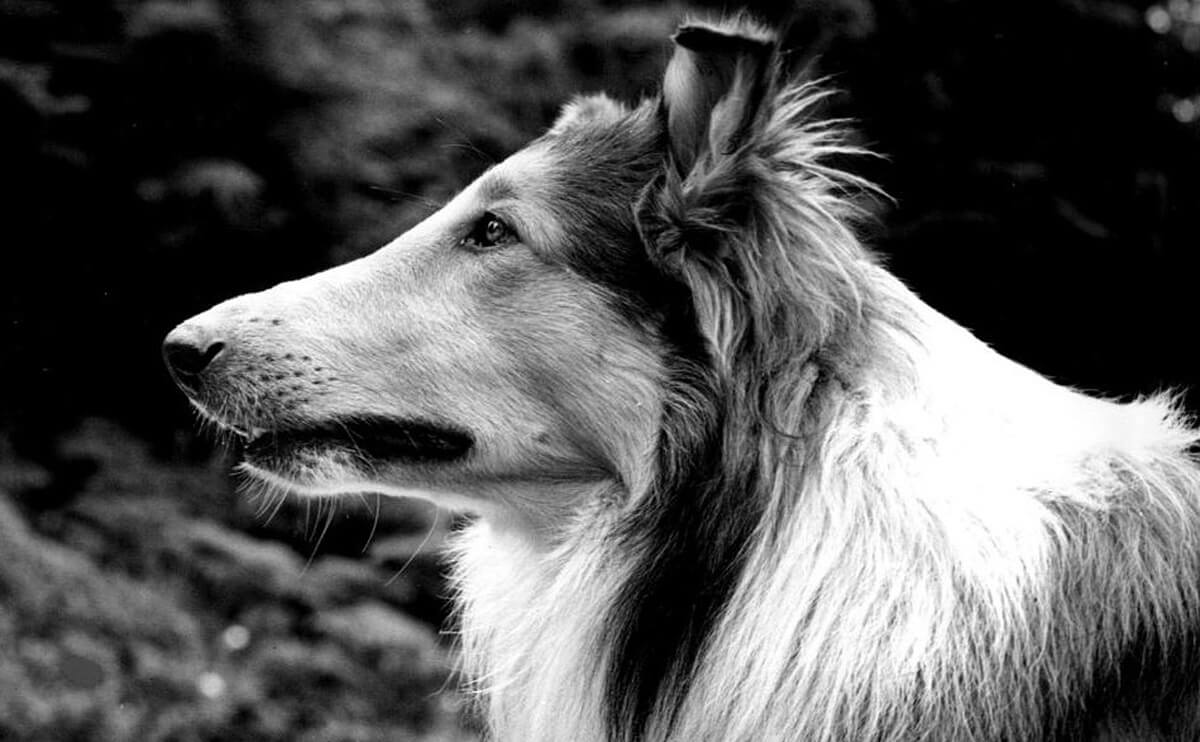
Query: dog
(734, 481)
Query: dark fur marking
(689, 536)
(689, 539)
(605, 169)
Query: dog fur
(734, 480)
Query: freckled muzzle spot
(253, 388)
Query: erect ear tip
(735, 34)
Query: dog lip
(370, 438)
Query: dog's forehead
(585, 155)
(589, 109)
(601, 143)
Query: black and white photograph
(599, 371)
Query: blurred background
(157, 156)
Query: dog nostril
(187, 354)
(190, 359)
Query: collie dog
(733, 480)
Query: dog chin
(330, 477)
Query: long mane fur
(858, 521)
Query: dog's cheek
(604, 394)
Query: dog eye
(489, 231)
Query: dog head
(511, 352)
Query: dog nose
(187, 351)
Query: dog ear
(716, 98)
(713, 88)
(713, 97)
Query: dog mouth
(369, 440)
